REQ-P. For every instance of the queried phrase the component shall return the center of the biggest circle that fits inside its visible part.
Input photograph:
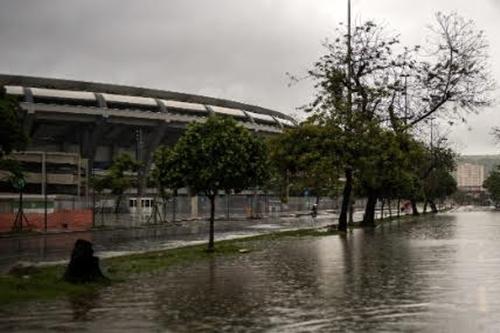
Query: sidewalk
(115, 241)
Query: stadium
(76, 128)
(82, 125)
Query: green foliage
(213, 156)
(379, 86)
(492, 184)
(12, 136)
(166, 174)
(118, 178)
(384, 167)
(44, 283)
(439, 185)
(305, 157)
(434, 172)
(13, 168)
(218, 155)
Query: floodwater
(433, 274)
(47, 248)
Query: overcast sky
(231, 49)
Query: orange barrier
(63, 220)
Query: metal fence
(182, 208)
(73, 213)
(44, 213)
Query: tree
(384, 169)
(304, 157)
(118, 178)
(455, 79)
(166, 175)
(492, 184)
(354, 92)
(439, 185)
(219, 155)
(12, 136)
(362, 82)
(434, 172)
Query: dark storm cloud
(224, 48)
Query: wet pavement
(431, 274)
(118, 241)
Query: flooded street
(118, 241)
(433, 274)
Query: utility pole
(139, 149)
(406, 99)
(347, 193)
(349, 57)
(432, 132)
(44, 188)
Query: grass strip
(45, 283)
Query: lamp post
(349, 56)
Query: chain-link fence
(44, 213)
(71, 213)
(129, 212)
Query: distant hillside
(490, 162)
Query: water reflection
(56, 247)
(434, 274)
(82, 304)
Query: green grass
(46, 283)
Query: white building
(469, 176)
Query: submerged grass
(46, 282)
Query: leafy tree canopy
(219, 155)
(166, 174)
(118, 178)
(12, 136)
(492, 184)
(306, 157)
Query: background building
(470, 177)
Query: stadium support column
(92, 135)
(29, 116)
(194, 206)
(147, 149)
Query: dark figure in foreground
(314, 210)
(84, 266)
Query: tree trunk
(390, 208)
(212, 218)
(425, 206)
(371, 204)
(174, 207)
(228, 196)
(93, 207)
(346, 198)
(399, 208)
(351, 210)
(433, 207)
(414, 208)
(164, 210)
(118, 202)
(382, 209)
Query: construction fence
(71, 213)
